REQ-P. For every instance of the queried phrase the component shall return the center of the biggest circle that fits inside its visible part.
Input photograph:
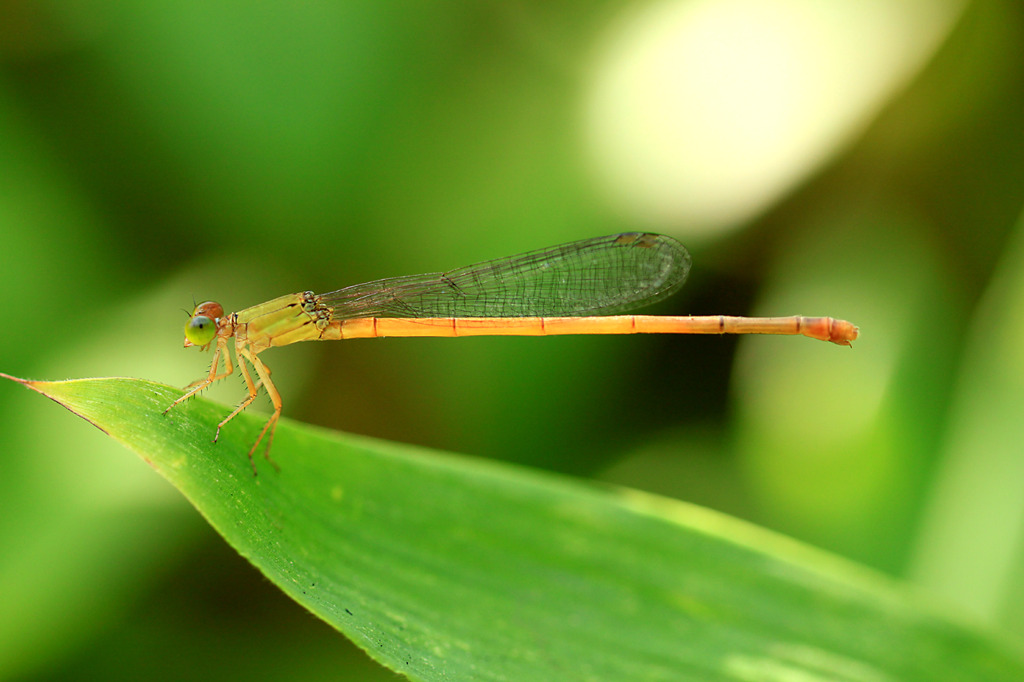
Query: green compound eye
(200, 330)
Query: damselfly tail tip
(844, 333)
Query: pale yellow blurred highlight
(702, 113)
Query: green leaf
(445, 567)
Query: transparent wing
(603, 275)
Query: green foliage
(445, 567)
(156, 155)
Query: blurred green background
(859, 160)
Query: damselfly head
(201, 327)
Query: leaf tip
(40, 388)
(24, 382)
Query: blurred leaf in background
(861, 161)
